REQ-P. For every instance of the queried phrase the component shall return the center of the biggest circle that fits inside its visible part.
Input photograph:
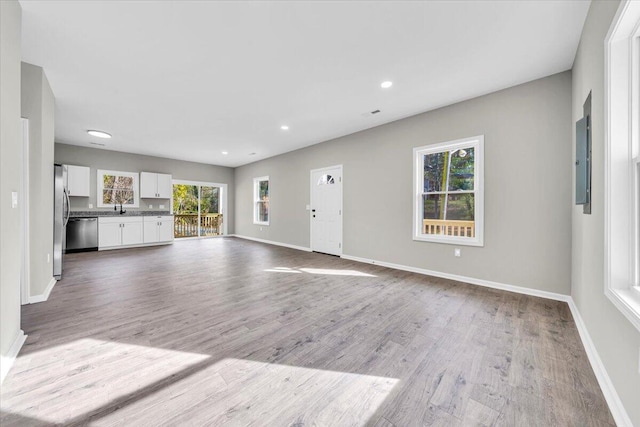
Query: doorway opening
(198, 209)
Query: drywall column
(38, 106)
(10, 154)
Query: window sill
(461, 241)
(628, 302)
(260, 223)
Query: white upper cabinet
(78, 180)
(165, 187)
(155, 185)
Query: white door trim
(341, 203)
(25, 281)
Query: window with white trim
(261, 200)
(117, 188)
(449, 192)
(622, 161)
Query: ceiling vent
(371, 113)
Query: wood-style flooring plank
(229, 332)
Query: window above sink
(117, 188)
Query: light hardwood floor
(230, 332)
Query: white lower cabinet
(158, 229)
(132, 233)
(109, 234)
(165, 229)
(119, 231)
(114, 232)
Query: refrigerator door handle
(66, 195)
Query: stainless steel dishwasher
(82, 235)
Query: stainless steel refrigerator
(61, 212)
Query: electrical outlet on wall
(260, 228)
(90, 205)
(150, 206)
(161, 206)
(48, 258)
(457, 252)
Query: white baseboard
(45, 295)
(271, 242)
(139, 245)
(465, 279)
(611, 396)
(7, 361)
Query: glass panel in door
(210, 216)
(185, 211)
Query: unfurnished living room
(320, 213)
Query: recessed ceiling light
(284, 127)
(386, 85)
(225, 152)
(99, 134)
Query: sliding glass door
(198, 209)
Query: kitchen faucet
(122, 211)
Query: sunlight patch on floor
(321, 271)
(242, 392)
(154, 386)
(84, 375)
(282, 270)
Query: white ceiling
(188, 80)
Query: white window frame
(136, 188)
(477, 142)
(622, 151)
(256, 200)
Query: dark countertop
(95, 213)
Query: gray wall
(10, 161)
(615, 338)
(38, 105)
(115, 160)
(527, 132)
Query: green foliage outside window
(185, 199)
(446, 173)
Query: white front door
(326, 210)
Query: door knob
(313, 210)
